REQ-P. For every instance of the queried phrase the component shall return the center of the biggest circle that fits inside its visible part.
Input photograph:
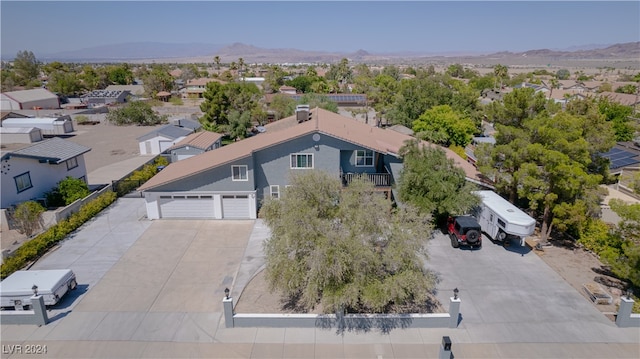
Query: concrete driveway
(510, 295)
(154, 289)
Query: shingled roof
(54, 150)
(323, 122)
(201, 140)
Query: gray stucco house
(232, 181)
(195, 144)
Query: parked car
(464, 230)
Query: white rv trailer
(501, 220)
(17, 289)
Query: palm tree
(217, 61)
(500, 71)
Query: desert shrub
(177, 101)
(39, 245)
(27, 215)
(81, 119)
(73, 189)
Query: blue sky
(375, 26)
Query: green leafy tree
(628, 89)
(282, 106)
(433, 183)
(120, 74)
(455, 70)
(64, 83)
(135, 113)
(274, 79)
(157, 80)
(518, 105)
(623, 255)
(93, 79)
(302, 83)
(415, 96)
(73, 189)
(221, 99)
(444, 126)
(351, 252)
(26, 67)
(563, 74)
(28, 217)
(618, 115)
(238, 124)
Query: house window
(72, 163)
(239, 173)
(302, 160)
(23, 182)
(364, 158)
(275, 191)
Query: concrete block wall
(625, 317)
(345, 321)
(36, 316)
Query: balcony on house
(379, 180)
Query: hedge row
(139, 177)
(39, 245)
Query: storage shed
(29, 100)
(20, 135)
(48, 125)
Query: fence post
(623, 318)
(454, 311)
(227, 304)
(39, 310)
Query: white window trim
(276, 192)
(365, 157)
(15, 179)
(246, 172)
(73, 161)
(301, 154)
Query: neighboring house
(565, 96)
(105, 97)
(186, 123)
(30, 171)
(160, 139)
(622, 155)
(622, 98)
(287, 89)
(195, 144)
(535, 87)
(29, 100)
(232, 181)
(196, 87)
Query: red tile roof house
(232, 181)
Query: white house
(27, 173)
(160, 139)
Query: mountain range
(199, 52)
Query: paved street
(154, 289)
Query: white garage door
(186, 206)
(235, 207)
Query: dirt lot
(579, 267)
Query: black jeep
(464, 230)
